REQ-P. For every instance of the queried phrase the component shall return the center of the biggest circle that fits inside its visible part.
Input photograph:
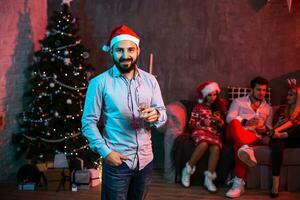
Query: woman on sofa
(206, 123)
(286, 132)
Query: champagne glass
(142, 106)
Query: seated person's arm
(284, 126)
(233, 112)
(194, 118)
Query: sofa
(178, 147)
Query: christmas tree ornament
(47, 33)
(52, 85)
(52, 59)
(67, 61)
(33, 74)
(66, 52)
(56, 114)
(57, 43)
(69, 101)
(85, 55)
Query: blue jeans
(122, 183)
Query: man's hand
(152, 115)
(261, 129)
(257, 124)
(252, 122)
(115, 158)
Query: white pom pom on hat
(121, 33)
(205, 88)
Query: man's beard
(127, 69)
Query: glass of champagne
(142, 106)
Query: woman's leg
(275, 185)
(214, 154)
(210, 174)
(198, 153)
(190, 167)
(277, 147)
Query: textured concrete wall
(193, 41)
(22, 25)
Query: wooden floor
(159, 190)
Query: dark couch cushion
(263, 156)
(291, 156)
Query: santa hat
(205, 88)
(121, 33)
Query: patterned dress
(203, 127)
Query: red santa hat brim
(121, 33)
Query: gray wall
(222, 40)
(22, 25)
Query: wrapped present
(95, 177)
(58, 179)
(44, 166)
(50, 164)
(60, 161)
(27, 186)
(81, 178)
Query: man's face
(125, 54)
(259, 92)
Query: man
(125, 143)
(248, 119)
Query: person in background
(130, 102)
(248, 118)
(206, 123)
(286, 132)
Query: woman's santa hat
(121, 33)
(205, 88)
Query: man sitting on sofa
(248, 119)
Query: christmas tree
(51, 123)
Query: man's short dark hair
(259, 81)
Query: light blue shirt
(115, 98)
